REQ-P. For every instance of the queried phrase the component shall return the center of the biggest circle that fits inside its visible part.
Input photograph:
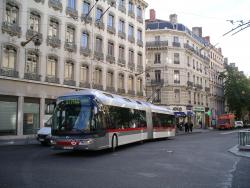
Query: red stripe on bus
(66, 143)
(125, 130)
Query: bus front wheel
(114, 142)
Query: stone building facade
(74, 44)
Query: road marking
(231, 132)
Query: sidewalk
(195, 130)
(23, 141)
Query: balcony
(190, 84)
(98, 86)
(131, 66)
(32, 76)
(157, 45)
(111, 29)
(110, 59)
(198, 86)
(69, 82)
(122, 35)
(53, 41)
(9, 72)
(52, 79)
(110, 89)
(131, 39)
(121, 91)
(157, 82)
(122, 8)
(131, 13)
(99, 56)
(131, 92)
(121, 62)
(140, 43)
(139, 93)
(70, 46)
(55, 4)
(30, 33)
(11, 29)
(112, 3)
(99, 24)
(72, 12)
(85, 51)
(84, 84)
(139, 19)
(176, 44)
(87, 20)
(140, 68)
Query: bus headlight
(86, 142)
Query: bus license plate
(67, 147)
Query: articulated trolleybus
(94, 120)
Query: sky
(212, 16)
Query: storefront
(199, 117)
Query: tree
(237, 91)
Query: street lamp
(91, 9)
(35, 38)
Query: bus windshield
(72, 116)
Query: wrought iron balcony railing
(32, 76)
(69, 82)
(55, 4)
(53, 41)
(98, 86)
(110, 59)
(85, 51)
(11, 29)
(52, 79)
(84, 84)
(70, 46)
(9, 72)
(72, 12)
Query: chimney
(207, 38)
(173, 18)
(219, 49)
(152, 14)
(197, 31)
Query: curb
(18, 142)
(235, 150)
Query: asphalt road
(197, 160)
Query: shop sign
(199, 109)
(178, 109)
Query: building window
(98, 44)
(69, 71)
(111, 49)
(188, 61)
(131, 83)
(139, 59)
(139, 35)
(71, 4)
(98, 76)
(53, 28)
(85, 40)
(32, 63)
(111, 20)
(176, 76)
(110, 79)
(130, 31)
(176, 58)
(121, 81)
(131, 56)
(121, 2)
(84, 70)
(157, 95)
(98, 14)
(188, 76)
(176, 39)
(85, 7)
(139, 12)
(157, 58)
(177, 95)
(122, 26)
(11, 15)
(194, 79)
(70, 35)
(34, 22)
(121, 52)
(9, 57)
(139, 85)
(130, 7)
(158, 75)
(189, 97)
(51, 66)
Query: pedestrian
(191, 126)
(200, 123)
(186, 127)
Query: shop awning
(179, 114)
(190, 113)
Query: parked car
(238, 124)
(44, 134)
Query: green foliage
(237, 91)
